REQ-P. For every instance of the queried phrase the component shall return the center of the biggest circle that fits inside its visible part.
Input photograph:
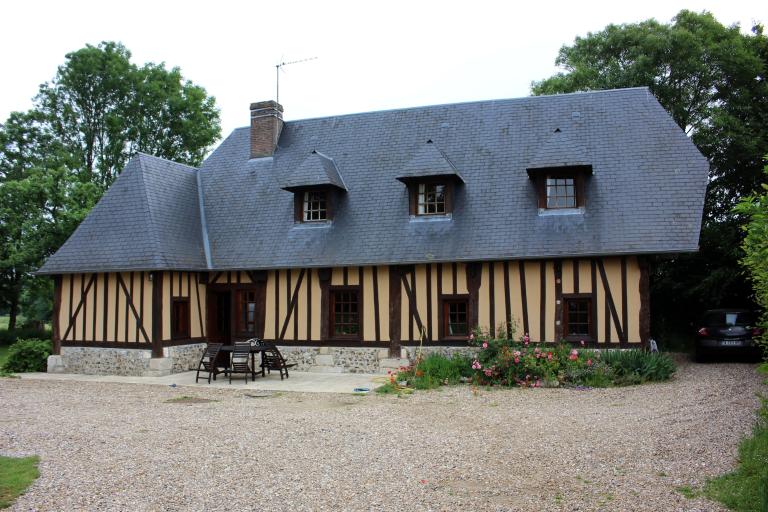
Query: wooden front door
(220, 316)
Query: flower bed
(507, 362)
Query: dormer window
(316, 185)
(560, 189)
(431, 180)
(315, 205)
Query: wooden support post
(474, 272)
(157, 314)
(395, 277)
(645, 301)
(56, 335)
(558, 300)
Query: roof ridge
(141, 154)
(462, 103)
(203, 222)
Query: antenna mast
(277, 74)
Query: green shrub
(637, 366)
(28, 356)
(9, 337)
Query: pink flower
(526, 339)
(574, 355)
(476, 365)
(517, 360)
(485, 344)
(589, 362)
(582, 343)
(488, 372)
(549, 356)
(472, 336)
(516, 353)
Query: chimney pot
(266, 125)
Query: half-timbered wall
(185, 286)
(397, 304)
(110, 308)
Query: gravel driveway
(123, 447)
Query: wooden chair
(208, 362)
(241, 360)
(272, 359)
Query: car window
(730, 318)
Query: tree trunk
(14, 312)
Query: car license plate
(730, 343)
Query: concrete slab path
(298, 381)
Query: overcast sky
(370, 55)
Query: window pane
(431, 199)
(345, 316)
(315, 207)
(561, 193)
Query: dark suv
(727, 331)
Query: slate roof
(316, 169)
(428, 161)
(148, 219)
(645, 195)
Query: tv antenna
(278, 67)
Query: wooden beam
(609, 300)
(157, 314)
(624, 308)
(376, 313)
(394, 311)
(56, 334)
(543, 306)
(412, 307)
(83, 295)
(199, 306)
(293, 303)
(558, 300)
(324, 276)
(129, 299)
(524, 296)
(474, 272)
(429, 301)
(507, 299)
(492, 297)
(645, 301)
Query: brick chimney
(266, 124)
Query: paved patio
(298, 381)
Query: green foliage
(638, 366)
(746, 488)
(507, 362)
(8, 337)
(28, 355)
(711, 79)
(755, 246)
(58, 159)
(16, 474)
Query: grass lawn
(16, 474)
(3, 354)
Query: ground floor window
(455, 318)
(345, 314)
(180, 318)
(578, 318)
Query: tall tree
(57, 159)
(104, 109)
(711, 78)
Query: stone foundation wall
(410, 352)
(335, 359)
(181, 358)
(184, 357)
(104, 361)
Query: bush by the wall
(28, 356)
